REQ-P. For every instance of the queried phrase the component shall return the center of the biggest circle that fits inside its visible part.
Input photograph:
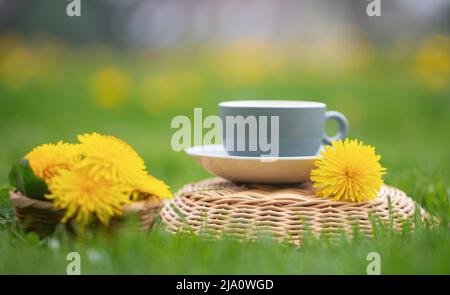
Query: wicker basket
(217, 206)
(42, 217)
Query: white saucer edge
(208, 151)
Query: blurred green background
(127, 70)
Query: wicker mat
(216, 206)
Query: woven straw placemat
(216, 206)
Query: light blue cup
(301, 126)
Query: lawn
(50, 92)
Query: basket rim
(17, 198)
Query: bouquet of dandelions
(91, 180)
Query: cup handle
(343, 126)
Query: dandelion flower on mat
(48, 159)
(83, 196)
(110, 158)
(349, 171)
(150, 185)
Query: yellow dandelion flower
(150, 185)
(48, 159)
(349, 170)
(110, 158)
(84, 197)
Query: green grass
(387, 106)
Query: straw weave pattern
(216, 206)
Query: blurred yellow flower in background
(18, 67)
(22, 62)
(110, 87)
(48, 160)
(160, 92)
(9, 40)
(432, 62)
(345, 50)
(83, 196)
(348, 171)
(247, 62)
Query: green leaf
(13, 175)
(28, 183)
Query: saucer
(214, 159)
